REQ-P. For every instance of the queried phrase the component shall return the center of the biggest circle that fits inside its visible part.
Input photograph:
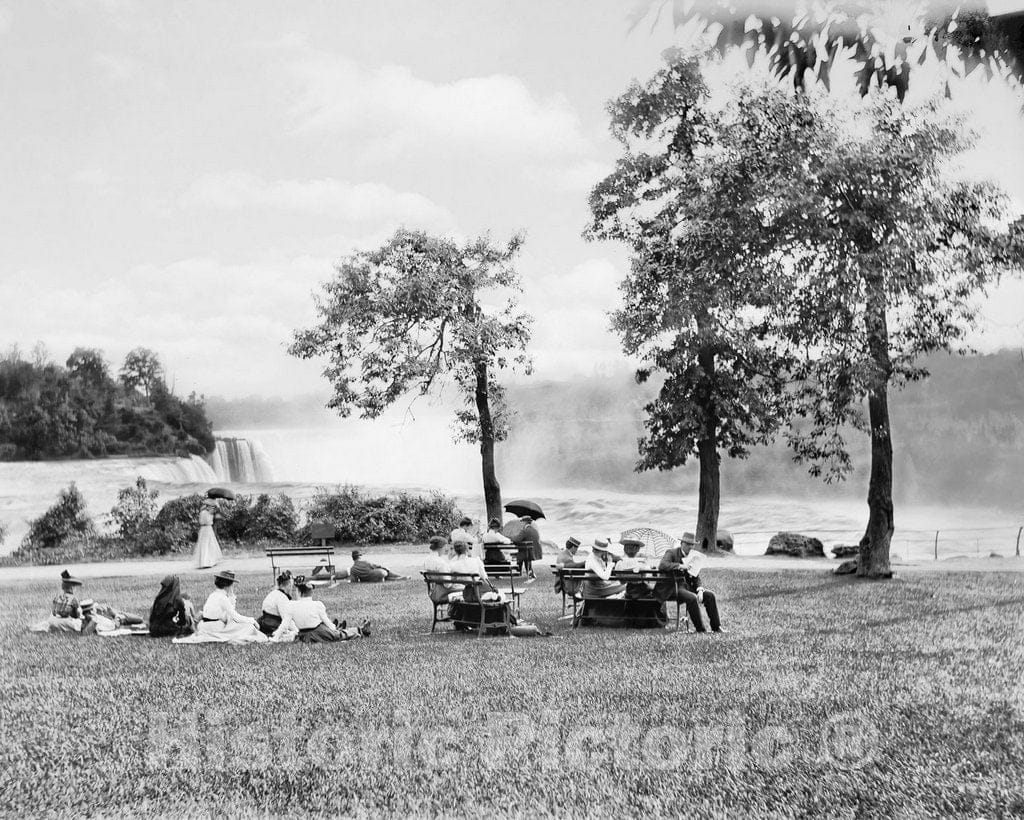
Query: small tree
(141, 369)
(88, 366)
(404, 317)
(66, 520)
(135, 510)
(685, 198)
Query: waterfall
(240, 460)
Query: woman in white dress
(220, 620)
(207, 551)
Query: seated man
(364, 572)
(687, 588)
(634, 563)
(493, 540)
(462, 533)
(567, 559)
(306, 620)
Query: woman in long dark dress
(172, 614)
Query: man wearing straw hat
(687, 586)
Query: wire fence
(944, 542)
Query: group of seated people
(289, 613)
(605, 560)
(527, 543)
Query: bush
(135, 510)
(178, 521)
(65, 521)
(396, 518)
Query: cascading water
(240, 460)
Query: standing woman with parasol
(207, 551)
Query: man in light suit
(687, 588)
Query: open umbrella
(220, 492)
(655, 541)
(522, 506)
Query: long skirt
(643, 613)
(207, 551)
(219, 632)
(601, 589)
(268, 623)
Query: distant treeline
(79, 410)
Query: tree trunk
(492, 490)
(709, 488)
(874, 546)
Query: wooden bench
(576, 576)
(442, 606)
(282, 558)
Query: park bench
(442, 606)
(576, 576)
(319, 556)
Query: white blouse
(220, 606)
(275, 599)
(599, 567)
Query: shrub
(135, 510)
(65, 521)
(178, 520)
(361, 518)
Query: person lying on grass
(364, 572)
(306, 620)
(97, 618)
(687, 586)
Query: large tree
(403, 318)
(141, 369)
(685, 197)
(884, 251)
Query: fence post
(936, 545)
(1018, 541)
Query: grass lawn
(827, 696)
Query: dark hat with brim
(688, 538)
(67, 578)
(226, 575)
(632, 542)
(356, 554)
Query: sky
(183, 175)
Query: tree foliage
(79, 411)
(686, 198)
(414, 313)
(884, 39)
(141, 370)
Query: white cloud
(116, 66)
(391, 110)
(352, 202)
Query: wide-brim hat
(632, 542)
(688, 538)
(67, 578)
(604, 545)
(226, 575)
(87, 605)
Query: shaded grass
(827, 696)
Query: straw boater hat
(67, 578)
(225, 575)
(604, 545)
(87, 605)
(572, 542)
